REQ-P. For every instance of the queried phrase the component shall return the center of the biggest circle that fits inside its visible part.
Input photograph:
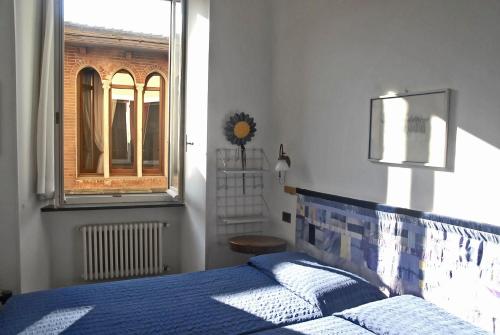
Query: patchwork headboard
(452, 263)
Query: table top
(257, 244)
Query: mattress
(224, 301)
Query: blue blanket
(408, 315)
(330, 325)
(330, 289)
(225, 301)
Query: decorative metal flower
(240, 128)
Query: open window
(121, 125)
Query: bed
(399, 315)
(271, 291)
(450, 262)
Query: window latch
(188, 143)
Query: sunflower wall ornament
(239, 130)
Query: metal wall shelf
(242, 219)
(247, 171)
(241, 207)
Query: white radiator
(122, 250)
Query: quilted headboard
(452, 263)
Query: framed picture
(410, 128)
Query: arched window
(153, 116)
(90, 132)
(122, 121)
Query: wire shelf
(247, 171)
(242, 219)
(241, 207)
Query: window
(122, 120)
(90, 119)
(121, 125)
(153, 125)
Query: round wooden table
(257, 244)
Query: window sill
(66, 208)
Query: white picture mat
(410, 128)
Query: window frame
(173, 194)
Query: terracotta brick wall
(106, 61)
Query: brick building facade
(108, 52)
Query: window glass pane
(151, 145)
(90, 118)
(122, 116)
(123, 78)
(121, 134)
(116, 112)
(123, 94)
(154, 81)
(176, 134)
(152, 117)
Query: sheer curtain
(113, 111)
(145, 115)
(98, 110)
(45, 187)
(112, 118)
(86, 92)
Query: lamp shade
(281, 165)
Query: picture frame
(410, 129)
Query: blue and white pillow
(328, 288)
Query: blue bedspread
(225, 301)
(330, 325)
(408, 315)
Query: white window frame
(173, 195)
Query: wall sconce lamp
(282, 165)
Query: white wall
(66, 242)
(239, 80)
(34, 249)
(9, 229)
(330, 57)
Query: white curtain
(45, 117)
(98, 131)
(113, 111)
(145, 116)
(86, 99)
